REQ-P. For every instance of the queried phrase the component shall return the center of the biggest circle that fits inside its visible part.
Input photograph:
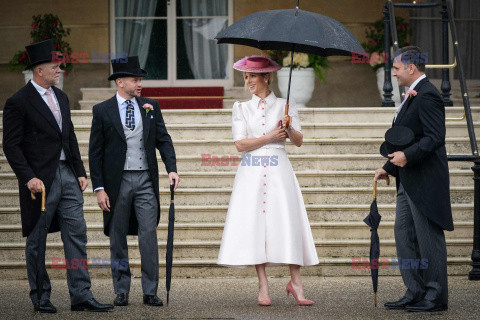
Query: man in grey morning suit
(423, 194)
(40, 145)
(126, 130)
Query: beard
(133, 93)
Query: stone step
(219, 148)
(357, 230)
(98, 93)
(207, 268)
(88, 104)
(313, 115)
(462, 212)
(324, 130)
(350, 178)
(299, 163)
(221, 196)
(209, 249)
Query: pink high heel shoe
(265, 303)
(305, 302)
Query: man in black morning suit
(126, 130)
(423, 189)
(41, 147)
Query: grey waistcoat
(136, 159)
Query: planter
(381, 80)
(303, 83)
(28, 74)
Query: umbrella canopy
(293, 30)
(42, 245)
(373, 221)
(169, 257)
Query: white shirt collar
(39, 88)
(122, 100)
(414, 84)
(269, 100)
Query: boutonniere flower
(147, 107)
(411, 92)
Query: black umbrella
(169, 257)
(293, 30)
(42, 245)
(373, 221)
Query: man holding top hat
(126, 129)
(415, 146)
(41, 147)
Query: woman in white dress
(266, 223)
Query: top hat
(256, 64)
(40, 52)
(128, 68)
(396, 139)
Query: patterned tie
(53, 107)
(130, 116)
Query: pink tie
(52, 105)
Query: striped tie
(130, 116)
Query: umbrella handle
(375, 187)
(43, 197)
(287, 124)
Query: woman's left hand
(284, 121)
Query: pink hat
(256, 64)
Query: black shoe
(121, 300)
(45, 306)
(400, 304)
(426, 306)
(91, 305)
(152, 301)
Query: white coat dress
(266, 221)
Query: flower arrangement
(44, 27)
(375, 44)
(300, 60)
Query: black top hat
(396, 139)
(41, 52)
(128, 68)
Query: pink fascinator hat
(256, 64)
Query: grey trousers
(65, 198)
(417, 237)
(136, 190)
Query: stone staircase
(334, 168)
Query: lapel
(114, 114)
(146, 123)
(63, 103)
(410, 99)
(37, 102)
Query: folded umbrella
(169, 257)
(373, 221)
(42, 245)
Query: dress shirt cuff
(99, 188)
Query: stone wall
(89, 23)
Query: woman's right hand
(277, 134)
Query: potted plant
(306, 67)
(44, 27)
(375, 47)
